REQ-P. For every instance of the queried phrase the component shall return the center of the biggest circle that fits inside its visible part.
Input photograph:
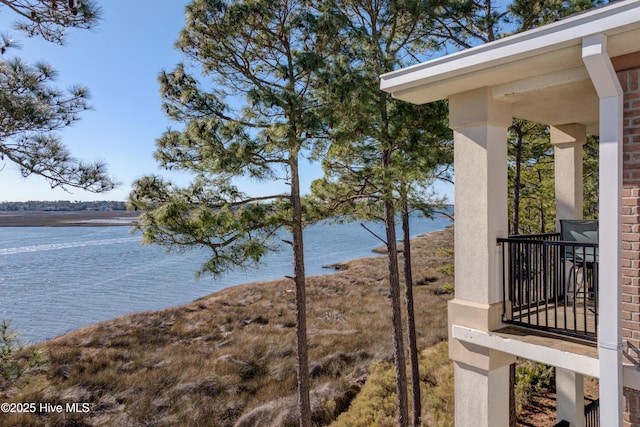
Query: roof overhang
(540, 72)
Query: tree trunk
(304, 404)
(396, 308)
(543, 221)
(513, 417)
(411, 321)
(516, 184)
(394, 271)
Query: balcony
(551, 285)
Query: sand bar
(67, 218)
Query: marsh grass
(231, 356)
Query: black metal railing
(592, 414)
(551, 285)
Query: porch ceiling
(540, 72)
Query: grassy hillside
(229, 358)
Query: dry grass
(232, 354)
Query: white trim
(544, 40)
(600, 69)
(551, 356)
(598, 63)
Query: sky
(119, 62)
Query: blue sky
(119, 62)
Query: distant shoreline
(67, 218)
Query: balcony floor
(574, 318)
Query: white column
(480, 156)
(603, 76)
(570, 397)
(567, 143)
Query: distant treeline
(63, 205)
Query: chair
(579, 259)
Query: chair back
(580, 231)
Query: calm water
(56, 279)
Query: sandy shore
(67, 219)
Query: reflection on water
(56, 279)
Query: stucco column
(567, 143)
(480, 156)
(485, 394)
(479, 126)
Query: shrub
(375, 405)
(446, 289)
(445, 252)
(437, 387)
(447, 270)
(531, 377)
(15, 360)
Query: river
(57, 279)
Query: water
(57, 279)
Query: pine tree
(381, 149)
(531, 188)
(32, 110)
(253, 116)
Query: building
(580, 76)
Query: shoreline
(424, 246)
(233, 351)
(68, 218)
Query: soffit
(539, 72)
